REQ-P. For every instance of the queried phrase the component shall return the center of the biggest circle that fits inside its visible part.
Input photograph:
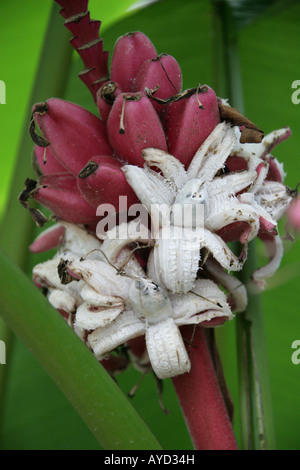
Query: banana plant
(90, 122)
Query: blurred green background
(36, 415)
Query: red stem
(201, 400)
(87, 43)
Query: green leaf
(111, 12)
(23, 40)
(247, 11)
(16, 227)
(86, 384)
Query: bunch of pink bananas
(79, 155)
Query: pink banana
(189, 121)
(159, 78)
(48, 239)
(273, 173)
(45, 162)
(130, 51)
(102, 181)
(132, 126)
(75, 134)
(59, 194)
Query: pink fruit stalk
(132, 126)
(130, 51)
(86, 41)
(189, 121)
(72, 7)
(201, 399)
(90, 48)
